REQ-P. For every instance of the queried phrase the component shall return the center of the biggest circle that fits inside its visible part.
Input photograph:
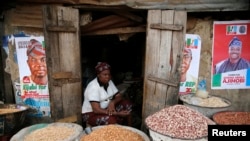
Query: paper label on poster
(231, 55)
(34, 94)
(190, 64)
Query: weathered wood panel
(151, 63)
(163, 49)
(178, 42)
(27, 16)
(63, 49)
(10, 65)
(121, 30)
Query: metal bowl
(205, 110)
(160, 137)
(165, 122)
(11, 118)
(144, 135)
(232, 118)
(20, 135)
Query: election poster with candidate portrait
(32, 66)
(190, 64)
(231, 55)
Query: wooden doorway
(166, 31)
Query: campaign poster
(231, 55)
(190, 64)
(31, 61)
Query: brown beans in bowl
(232, 118)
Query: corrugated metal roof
(187, 5)
(194, 5)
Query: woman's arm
(117, 98)
(97, 108)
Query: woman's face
(104, 76)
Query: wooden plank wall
(13, 17)
(29, 20)
(28, 16)
(62, 38)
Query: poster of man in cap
(190, 64)
(231, 55)
(31, 60)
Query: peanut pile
(180, 122)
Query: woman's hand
(112, 103)
(123, 113)
(110, 112)
(111, 106)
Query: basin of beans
(232, 118)
(178, 122)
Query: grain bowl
(49, 132)
(207, 106)
(177, 123)
(115, 132)
(232, 118)
(12, 118)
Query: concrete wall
(202, 24)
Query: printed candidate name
(216, 132)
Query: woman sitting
(103, 104)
